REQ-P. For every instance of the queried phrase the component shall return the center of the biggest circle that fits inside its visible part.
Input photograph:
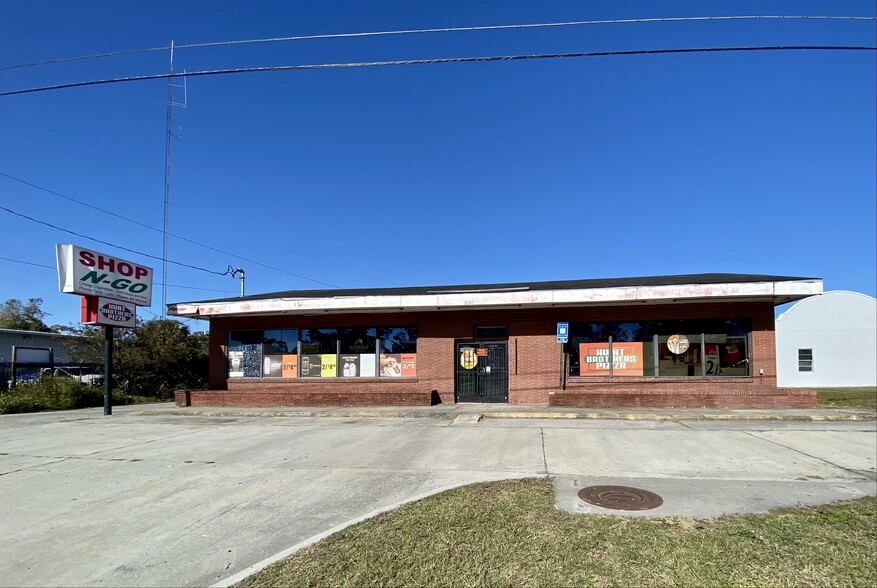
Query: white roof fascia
(485, 300)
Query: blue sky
(441, 174)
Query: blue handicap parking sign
(562, 332)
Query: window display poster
(399, 365)
(360, 365)
(290, 366)
(409, 365)
(367, 365)
(626, 359)
(732, 353)
(711, 358)
(328, 365)
(235, 364)
(252, 360)
(311, 366)
(272, 366)
(350, 366)
(391, 365)
(690, 356)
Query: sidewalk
(505, 411)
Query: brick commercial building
(702, 340)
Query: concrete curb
(259, 566)
(690, 415)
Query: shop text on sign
(625, 359)
(82, 271)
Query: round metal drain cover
(620, 497)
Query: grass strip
(864, 398)
(510, 534)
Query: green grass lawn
(509, 534)
(865, 398)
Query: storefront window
(398, 353)
(665, 348)
(245, 354)
(727, 346)
(358, 349)
(356, 352)
(319, 353)
(280, 354)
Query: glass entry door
(482, 371)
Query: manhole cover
(620, 497)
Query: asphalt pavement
(161, 496)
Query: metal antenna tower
(167, 171)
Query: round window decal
(468, 359)
(677, 344)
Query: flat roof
(715, 287)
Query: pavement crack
(822, 459)
(544, 458)
(59, 460)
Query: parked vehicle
(73, 372)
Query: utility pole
(167, 185)
(167, 173)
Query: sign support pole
(108, 371)
(562, 366)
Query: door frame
(504, 399)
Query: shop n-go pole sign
(89, 273)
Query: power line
(436, 30)
(151, 228)
(28, 263)
(53, 268)
(57, 228)
(215, 72)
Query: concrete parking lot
(167, 500)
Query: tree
(153, 359)
(25, 317)
(160, 356)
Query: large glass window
(660, 348)
(398, 352)
(263, 354)
(245, 354)
(280, 353)
(358, 351)
(319, 353)
(355, 352)
(616, 349)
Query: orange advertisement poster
(626, 359)
(290, 366)
(409, 365)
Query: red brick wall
(534, 361)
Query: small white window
(805, 360)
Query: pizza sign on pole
(97, 310)
(111, 290)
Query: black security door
(482, 371)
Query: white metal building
(10, 338)
(828, 341)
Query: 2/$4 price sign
(108, 284)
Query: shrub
(59, 394)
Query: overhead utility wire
(151, 228)
(57, 228)
(215, 72)
(28, 263)
(51, 267)
(438, 30)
